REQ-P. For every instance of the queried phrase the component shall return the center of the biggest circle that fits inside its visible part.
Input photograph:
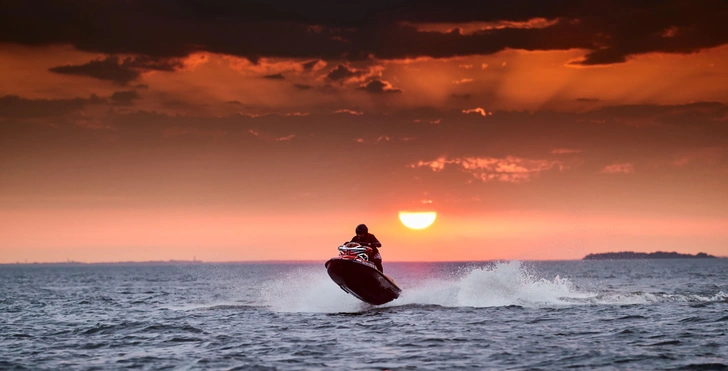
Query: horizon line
(195, 262)
(173, 261)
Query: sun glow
(417, 220)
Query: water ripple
(613, 315)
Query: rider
(364, 238)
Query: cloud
(124, 97)
(676, 114)
(509, 169)
(379, 86)
(192, 132)
(384, 138)
(502, 135)
(302, 86)
(479, 110)
(182, 105)
(13, 106)
(610, 32)
(103, 69)
(271, 137)
(622, 168)
(274, 114)
(708, 156)
(118, 71)
(462, 81)
(351, 112)
(313, 65)
(341, 73)
(565, 151)
(276, 76)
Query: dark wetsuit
(371, 241)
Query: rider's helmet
(362, 229)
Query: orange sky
(535, 133)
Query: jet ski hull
(363, 280)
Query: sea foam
(496, 285)
(501, 284)
(308, 290)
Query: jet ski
(355, 274)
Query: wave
(501, 284)
(498, 285)
(632, 298)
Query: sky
(267, 130)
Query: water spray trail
(497, 285)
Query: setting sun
(417, 220)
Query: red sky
(267, 131)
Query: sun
(417, 220)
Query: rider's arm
(375, 242)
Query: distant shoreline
(630, 255)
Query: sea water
(629, 314)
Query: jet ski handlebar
(352, 247)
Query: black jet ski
(355, 274)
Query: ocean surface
(631, 315)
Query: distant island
(641, 255)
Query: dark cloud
(183, 105)
(342, 72)
(612, 31)
(118, 71)
(379, 86)
(124, 97)
(461, 96)
(276, 76)
(682, 114)
(103, 69)
(13, 106)
(308, 66)
(713, 113)
(588, 100)
(302, 86)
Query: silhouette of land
(624, 255)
